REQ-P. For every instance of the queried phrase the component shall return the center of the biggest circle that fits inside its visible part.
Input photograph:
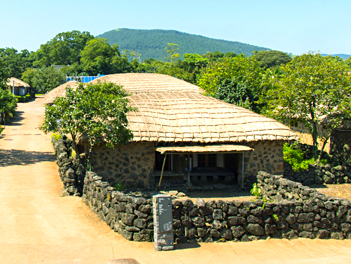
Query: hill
(152, 43)
(343, 56)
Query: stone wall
(290, 210)
(267, 156)
(71, 168)
(132, 165)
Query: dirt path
(39, 226)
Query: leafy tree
(234, 80)
(8, 105)
(272, 58)
(99, 57)
(63, 49)
(44, 80)
(94, 114)
(172, 50)
(309, 89)
(16, 62)
(3, 75)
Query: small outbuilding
(17, 86)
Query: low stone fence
(287, 210)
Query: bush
(295, 157)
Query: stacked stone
(319, 173)
(130, 216)
(70, 170)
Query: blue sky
(291, 26)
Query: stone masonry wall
(132, 164)
(267, 156)
(291, 211)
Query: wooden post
(163, 168)
(242, 170)
(188, 168)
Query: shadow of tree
(15, 121)
(11, 157)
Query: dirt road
(39, 226)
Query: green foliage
(63, 49)
(3, 75)
(276, 217)
(8, 105)
(295, 157)
(16, 62)
(308, 89)
(151, 43)
(256, 191)
(118, 186)
(99, 57)
(172, 50)
(272, 58)
(44, 80)
(92, 114)
(234, 80)
(23, 98)
(56, 136)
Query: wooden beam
(163, 168)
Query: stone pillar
(163, 222)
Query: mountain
(152, 43)
(343, 56)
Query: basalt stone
(176, 223)
(201, 232)
(232, 210)
(291, 219)
(205, 211)
(257, 211)
(141, 237)
(194, 212)
(140, 214)
(198, 221)
(128, 219)
(140, 223)
(236, 220)
(341, 211)
(181, 240)
(337, 235)
(323, 234)
(127, 234)
(305, 217)
(217, 214)
(215, 233)
(307, 234)
(345, 227)
(179, 232)
(190, 232)
(255, 229)
(254, 219)
(186, 220)
(270, 229)
(217, 224)
(244, 212)
(226, 234)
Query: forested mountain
(152, 43)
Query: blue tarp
(84, 79)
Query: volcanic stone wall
(290, 210)
(131, 165)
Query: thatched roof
(172, 110)
(59, 91)
(192, 117)
(18, 83)
(148, 83)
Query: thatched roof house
(59, 91)
(205, 139)
(18, 87)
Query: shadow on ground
(21, 157)
(16, 120)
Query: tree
(172, 50)
(63, 49)
(44, 80)
(234, 80)
(309, 89)
(3, 75)
(8, 105)
(16, 62)
(100, 57)
(272, 58)
(94, 114)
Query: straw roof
(192, 117)
(172, 110)
(148, 83)
(18, 83)
(59, 91)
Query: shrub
(295, 157)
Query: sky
(292, 26)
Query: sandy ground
(39, 226)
